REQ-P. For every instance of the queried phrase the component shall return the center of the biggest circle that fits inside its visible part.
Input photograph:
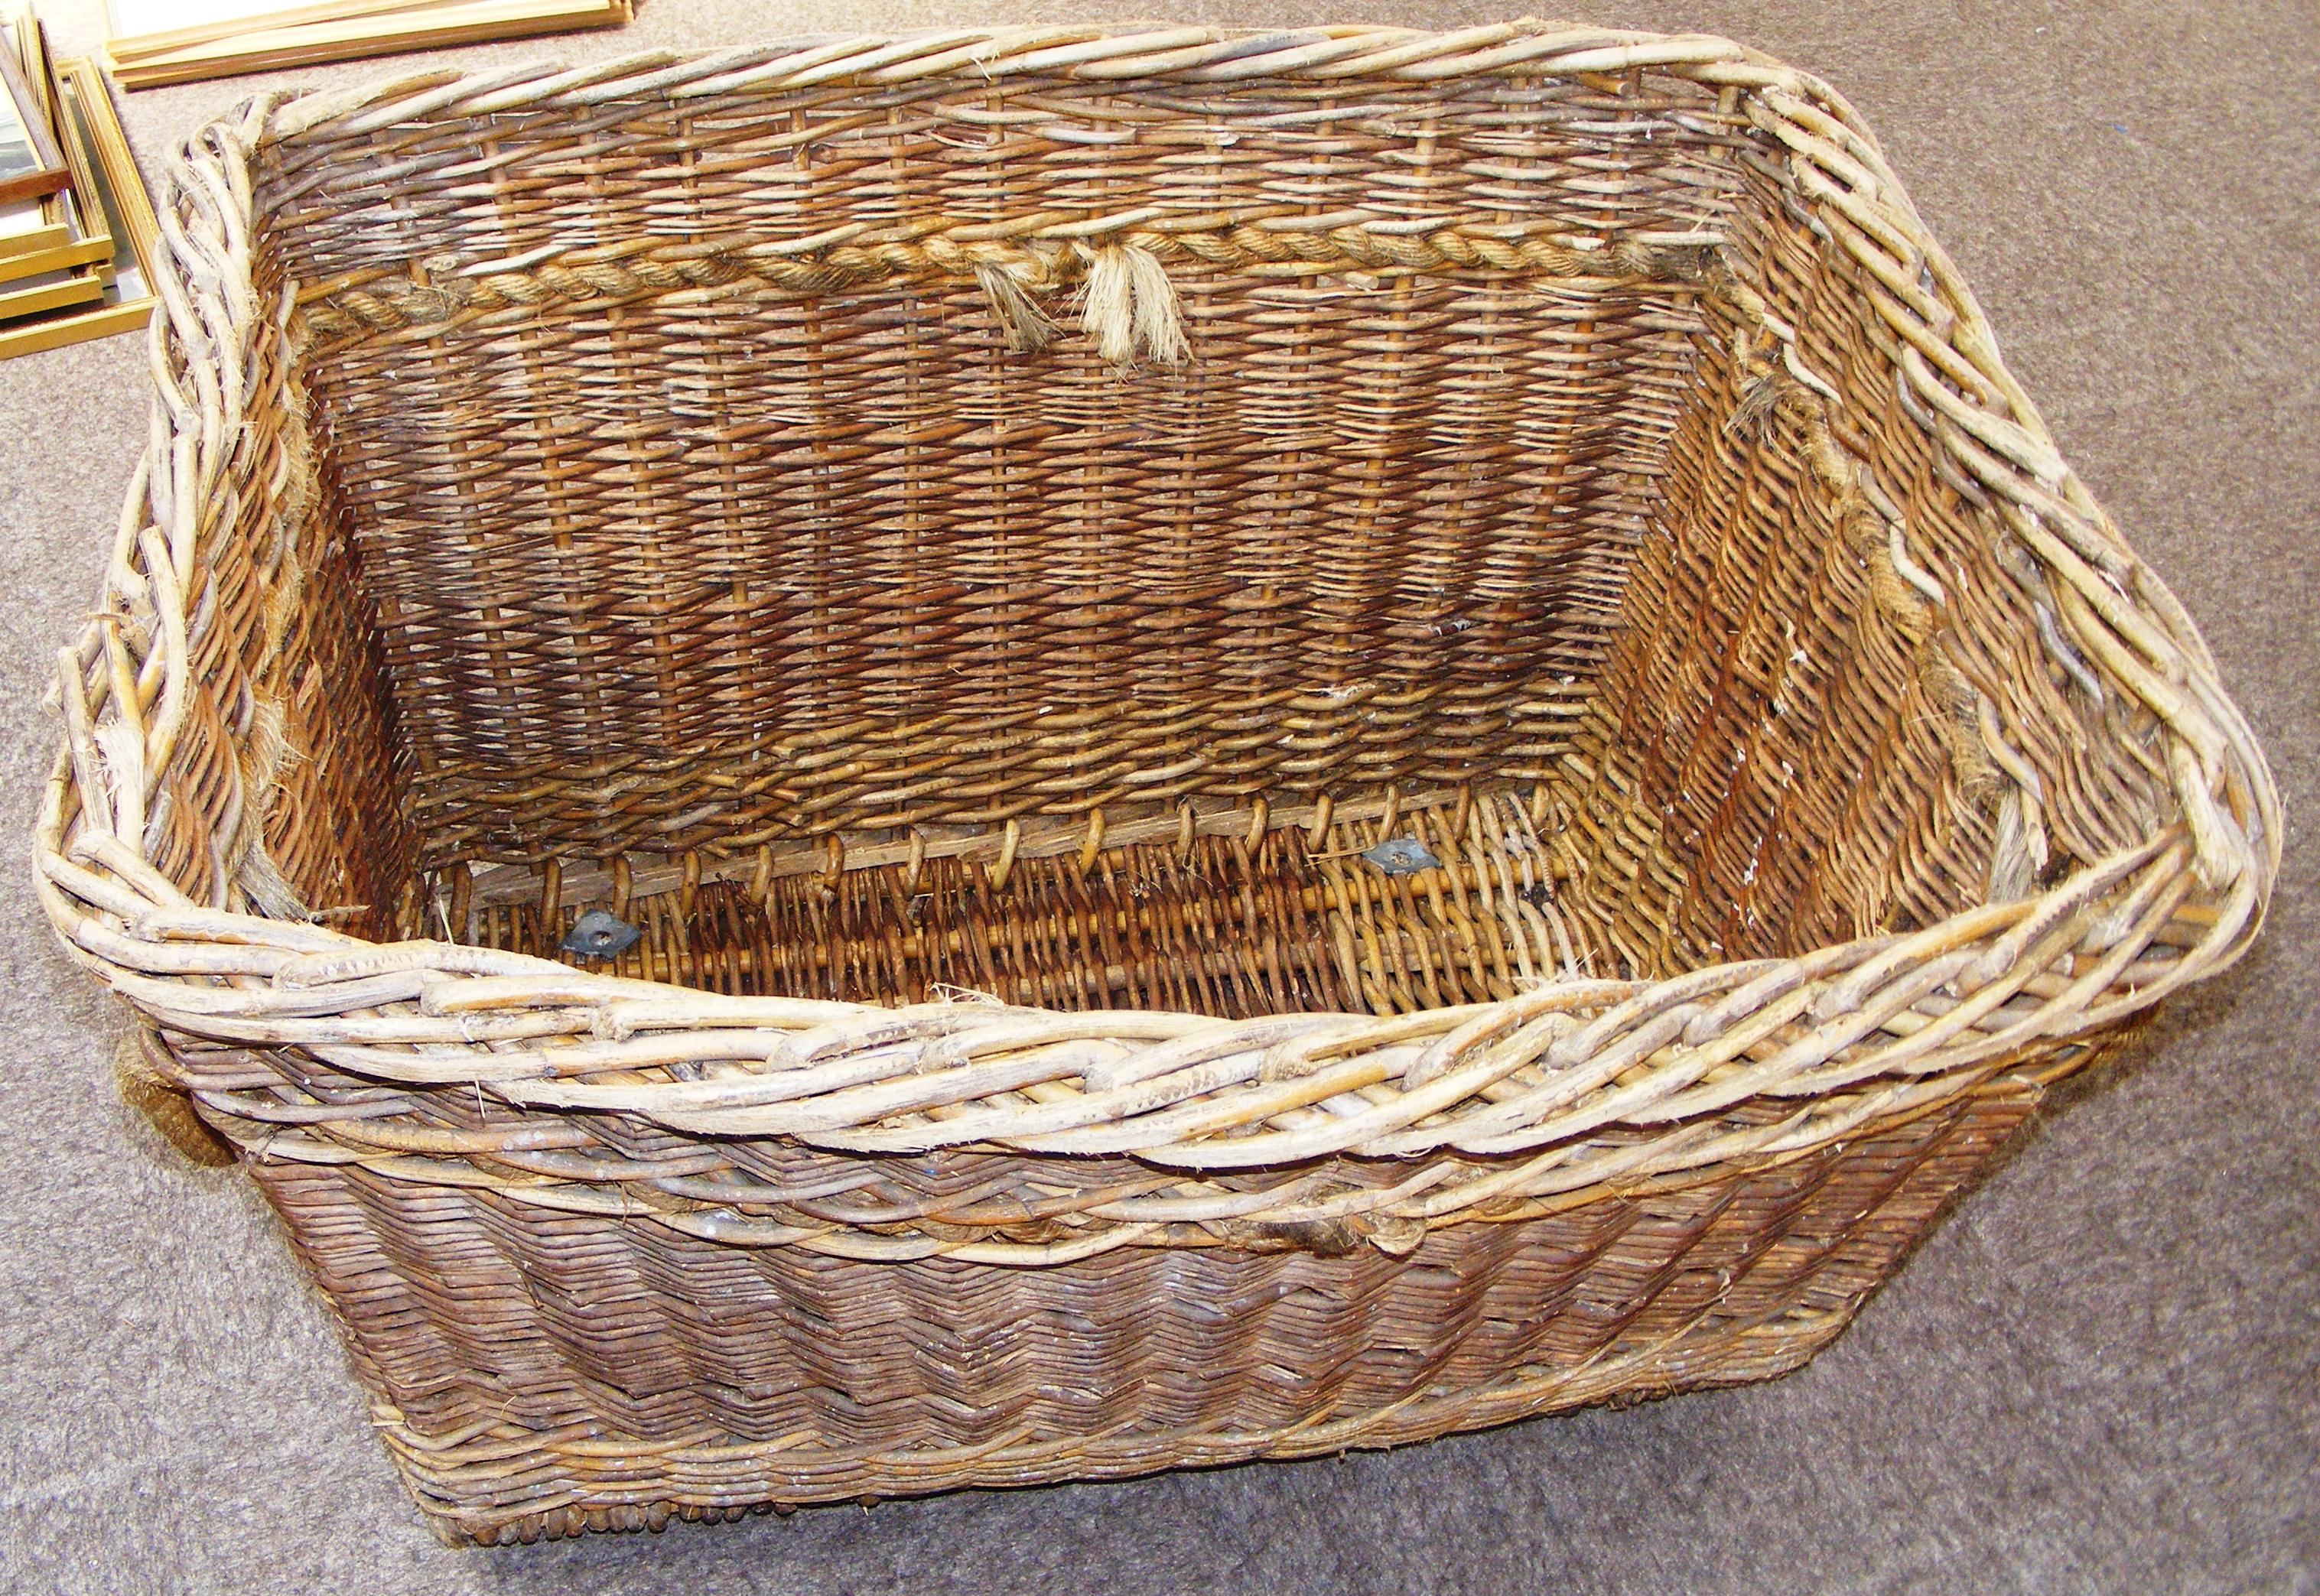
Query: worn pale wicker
(968, 543)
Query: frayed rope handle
(1127, 306)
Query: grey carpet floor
(2102, 1375)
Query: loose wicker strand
(1128, 307)
(1026, 328)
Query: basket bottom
(1232, 912)
(538, 1373)
(1713, 1358)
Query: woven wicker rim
(1883, 1026)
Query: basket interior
(846, 651)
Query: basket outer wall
(532, 1377)
(1900, 1063)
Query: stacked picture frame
(154, 43)
(78, 234)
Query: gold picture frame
(26, 228)
(308, 35)
(118, 193)
(64, 230)
(31, 164)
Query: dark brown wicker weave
(1319, 738)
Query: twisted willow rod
(618, 274)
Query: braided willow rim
(381, 1084)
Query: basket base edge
(773, 1479)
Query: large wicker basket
(885, 764)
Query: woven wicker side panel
(336, 830)
(634, 620)
(412, 202)
(1794, 744)
(719, 565)
(482, 1324)
(281, 797)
